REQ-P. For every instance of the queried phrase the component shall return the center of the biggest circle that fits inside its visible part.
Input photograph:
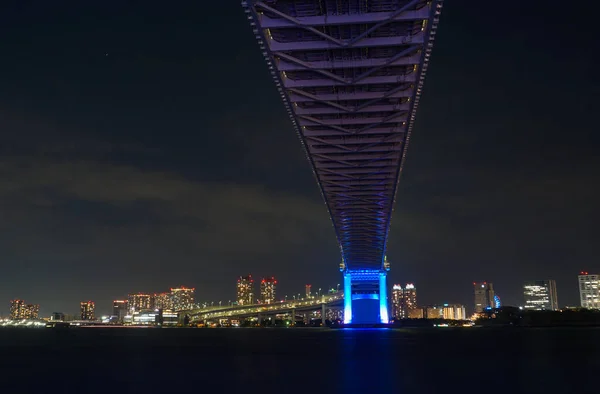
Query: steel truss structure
(350, 73)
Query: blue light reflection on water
(369, 361)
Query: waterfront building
(16, 307)
(267, 290)
(20, 310)
(484, 296)
(307, 291)
(87, 310)
(245, 290)
(589, 290)
(182, 298)
(403, 300)
(57, 316)
(434, 312)
(540, 295)
(416, 313)
(397, 296)
(139, 301)
(497, 302)
(120, 309)
(454, 312)
(163, 301)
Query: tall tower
(589, 290)
(267, 290)
(403, 300)
(410, 298)
(163, 301)
(245, 290)
(484, 296)
(397, 301)
(87, 310)
(138, 302)
(17, 309)
(120, 309)
(182, 298)
(540, 295)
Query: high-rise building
(87, 309)
(267, 290)
(454, 312)
(183, 298)
(589, 290)
(497, 301)
(397, 301)
(163, 301)
(245, 290)
(410, 297)
(307, 291)
(540, 295)
(138, 302)
(20, 310)
(32, 311)
(16, 309)
(403, 300)
(57, 316)
(484, 296)
(120, 309)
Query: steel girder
(350, 73)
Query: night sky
(144, 146)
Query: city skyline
(535, 295)
(132, 162)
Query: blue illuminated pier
(350, 74)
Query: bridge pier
(323, 315)
(293, 317)
(365, 297)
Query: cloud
(216, 215)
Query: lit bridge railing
(275, 308)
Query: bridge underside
(350, 73)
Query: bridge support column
(365, 297)
(383, 305)
(293, 317)
(323, 315)
(347, 298)
(259, 320)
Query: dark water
(95, 360)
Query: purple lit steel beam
(276, 46)
(333, 20)
(382, 80)
(301, 98)
(373, 108)
(348, 64)
(326, 132)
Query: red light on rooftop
(583, 273)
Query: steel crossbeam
(350, 74)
